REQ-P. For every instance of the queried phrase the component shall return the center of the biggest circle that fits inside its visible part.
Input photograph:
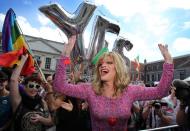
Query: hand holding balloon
(68, 47)
(71, 24)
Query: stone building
(153, 70)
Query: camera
(182, 91)
(159, 104)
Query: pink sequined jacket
(111, 114)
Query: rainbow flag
(13, 45)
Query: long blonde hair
(122, 77)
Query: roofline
(40, 38)
(176, 57)
(44, 39)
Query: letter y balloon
(71, 24)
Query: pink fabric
(103, 108)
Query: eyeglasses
(33, 85)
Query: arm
(14, 89)
(143, 93)
(136, 107)
(55, 103)
(146, 110)
(60, 83)
(50, 97)
(44, 120)
(181, 116)
(166, 119)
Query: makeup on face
(107, 69)
(108, 60)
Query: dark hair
(180, 84)
(33, 78)
(182, 90)
(3, 76)
(7, 71)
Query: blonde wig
(122, 77)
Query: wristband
(67, 61)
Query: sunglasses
(33, 85)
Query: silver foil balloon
(121, 43)
(97, 40)
(71, 24)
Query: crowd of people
(110, 102)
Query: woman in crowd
(5, 104)
(182, 89)
(31, 111)
(110, 96)
(66, 110)
(63, 108)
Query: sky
(143, 22)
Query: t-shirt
(5, 110)
(27, 108)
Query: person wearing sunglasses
(31, 110)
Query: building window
(182, 74)
(38, 60)
(153, 79)
(158, 67)
(148, 78)
(147, 68)
(159, 77)
(142, 76)
(48, 63)
(154, 68)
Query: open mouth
(104, 72)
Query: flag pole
(31, 53)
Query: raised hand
(165, 53)
(24, 57)
(69, 46)
(67, 106)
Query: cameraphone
(182, 91)
(159, 104)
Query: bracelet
(67, 61)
